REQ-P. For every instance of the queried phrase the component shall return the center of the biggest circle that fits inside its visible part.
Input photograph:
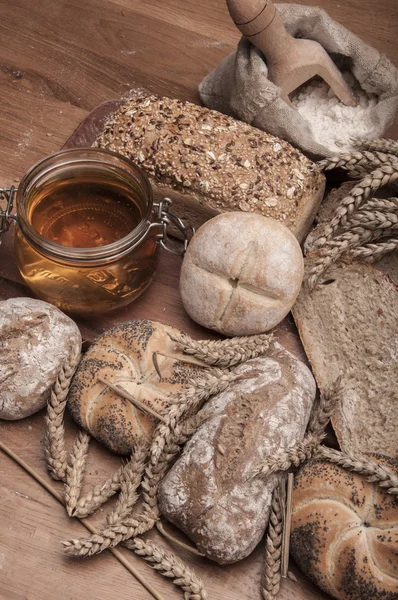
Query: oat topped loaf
(208, 162)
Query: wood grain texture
(58, 60)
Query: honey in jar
(86, 238)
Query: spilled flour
(329, 119)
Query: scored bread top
(221, 162)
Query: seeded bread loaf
(209, 163)
(349, 325)
(123, 355)
(344, 532)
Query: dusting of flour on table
(329, 119)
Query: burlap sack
(239, 85)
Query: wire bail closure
(167, 218)
(164, 215)
(8, 195)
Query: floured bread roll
(241, 274)
(123, 355)
(35, 340)
(344, 532)
(210, 492)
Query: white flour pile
(329, 119)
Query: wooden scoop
(290, 61)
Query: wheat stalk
(170, 566)
(223, 353)
(75, 471)
(374, 472)
(55, 433)
(271, 574)
(130, 479)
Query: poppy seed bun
(344, 532)
(123, 355)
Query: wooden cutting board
(49, 522)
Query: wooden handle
(259, 21)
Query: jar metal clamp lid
(164, 218)
(6, 216)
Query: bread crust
(344, 532)
(123, 355)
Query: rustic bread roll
(209, 163)
(123, 355)
(35, 340)
(241, 274)
(349, 325)
(344, 532)
(210, 493)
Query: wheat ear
(380, 177)
(374, 472)
(271, 574)
(375, 251)
(75, 471)
(109, 537)
(290, 457)
(189, 401)
(319, 263)
(359, 163)
(325, 406)
(89, 503)
(223, 353)
(170, 566)
(55, 433)
(379, 145)
(130, 480)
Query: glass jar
(88, 232)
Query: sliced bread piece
(349, 324)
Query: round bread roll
(241, 274)
(123, 355)
(344, 532)
(35, 340)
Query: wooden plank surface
(58, 60)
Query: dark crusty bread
(349, 325)
(123, 355)
(208, 163)
(210, 492)
(344, 532)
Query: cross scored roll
(123, 356)
(344, 532)
(241, 274)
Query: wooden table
(59, 59)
